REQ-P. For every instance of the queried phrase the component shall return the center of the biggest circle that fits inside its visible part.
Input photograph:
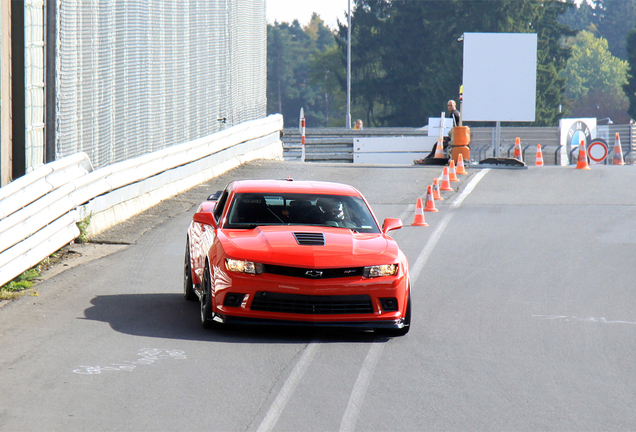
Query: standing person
(358, 125)
(454, 114)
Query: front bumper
(338, 302)
(361, 325)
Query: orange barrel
(461, 139)
(461, 136)
(463, 150)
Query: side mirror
(204, 218)
(391, 224)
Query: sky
(288, 10)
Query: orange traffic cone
(618, 151)
(452, 175)
(419, 214)
(445, 181)
(517, 154)
(439, 150)
(582, 162)
(461, 170)
(539, 160)
(436, 193)
(430, 201)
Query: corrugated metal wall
(136, 76)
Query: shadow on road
(170, 316)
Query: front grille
(313, 273)
(310, 239)
(312, 305)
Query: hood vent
(310, 239)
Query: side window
(220, 204)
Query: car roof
(292, 186)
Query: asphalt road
(524, 319)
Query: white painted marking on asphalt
(148, 356)
(421, 260)
(601, 320)
(360, 388)
(373, 355)
(290, 385)
(352, 412)
(469, 187)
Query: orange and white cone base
(517, 154)
(582, 162)
(418, 220)
(539, 160)
(452, 174)
(618, 152)
(439, 150)
(445, 181)
(436, 194)
(461, 170)
(430, 201)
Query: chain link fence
(137, 76)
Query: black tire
(188, 285)
(407, 322)
(206, 300)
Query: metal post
(497, 139)
(348, 118)
(302, 121)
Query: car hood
(278, 246)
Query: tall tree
(630, 86)
(595, 80)
(415, 61)
(616, 18)
(291, 77)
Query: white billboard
(500, 76)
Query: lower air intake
(312, 305)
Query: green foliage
(595, 80)
(630, 86)
(83, 227)
(616, 18)
(304, 70)
(20, 283)
(407, 62)
(609, 19)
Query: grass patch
(83, 227)
(19, 285)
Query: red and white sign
(597, 151)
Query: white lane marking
(601, 320)
(290, 385)
(421, 260)
(352, 412)
(360, 388)
(362, 382)
(469, 187)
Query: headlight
(380, 270)
(243, 266)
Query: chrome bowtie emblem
(313, 273)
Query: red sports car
(296, 252)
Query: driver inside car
(331, 211)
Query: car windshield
(249, 210)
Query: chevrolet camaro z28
(296, 253)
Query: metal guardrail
(39, 211)
(336, 144)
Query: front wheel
(188, 288)
(206, 300)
